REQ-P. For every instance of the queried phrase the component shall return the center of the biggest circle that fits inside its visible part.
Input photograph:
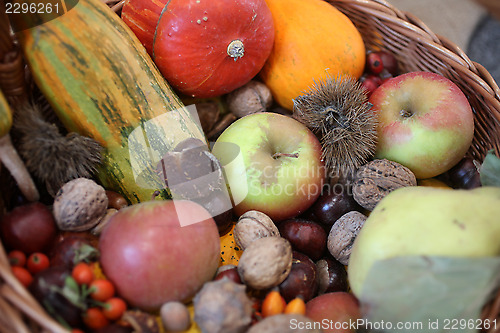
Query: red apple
(29, 228)
(338, 312)
(160, 251)
(272, 163)
(425, 122)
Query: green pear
(420, 220)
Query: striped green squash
(102, 83)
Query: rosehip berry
(94, 318)
(389, 61)
(370, 83)
(114, 308)
(82, 273)
(37, 262)
(273, 304)
(23, 275)
(374, 63)
(17, 258)
(101, 290)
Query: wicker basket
(382, 26)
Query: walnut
(253, 225)
(266, 262)
(378, 178)
(222, 306)
(342, 235)
(251, 98)
(79, 205)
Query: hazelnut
(222, 306)
(79, 205)
(343, 234)
(376, 179)
(253, 225)
(175, 316)
(252, 97)
(266, 262)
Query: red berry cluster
(380, 66)
(24, 267)
(104, 306)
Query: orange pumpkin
(312, 39)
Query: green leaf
(85, 253)
(490, 170)
(428, 294)
(71, 291)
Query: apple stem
(277, 155)
(154, 195)
(405, 113)
(13, 162)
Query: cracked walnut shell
(253, 225)
(375, 179)
(266, 262)
(79, 205)
(342, 235)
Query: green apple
(272, 164)
(425, 122)
(428, 221)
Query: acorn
(338, 112)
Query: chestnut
(228, 271)
(332, 276)
(464, 174)
(332, 204)
(306, 236)
(302, 280)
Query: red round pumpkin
(207, 48)
(141, 16)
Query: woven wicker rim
(383, 27)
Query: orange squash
(312, 40)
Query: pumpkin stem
(235, 49)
